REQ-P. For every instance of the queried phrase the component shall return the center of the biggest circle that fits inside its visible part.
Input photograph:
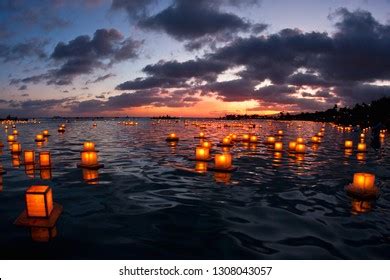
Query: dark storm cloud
(338, 65)
(83, 55)
(32, 48)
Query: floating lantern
(29, 156)
(280, 132)
(278, 146)
(88, 146)
(45, 133)
(90, 160)
(94, 125)
(61, 129)
(300, 140)
(245, 137)
(320, 134)
(363, 186)
(223, 161)
(206, 144)
(11, 138)
(226, 141)
(43, 234)
(15, 132)
(201, 135)
(172, 137)
(270, 140)
(44, 160)
(292, 145)
(322, 129)
(16, 148)
(39, 201)
(201, 166)
(202, 153)
(362, 147)
(382, 135)
(348, 144)
(253, 139)
(233, 136)
(315, 139)
(39, 138)
(362, 135)
(300, 148)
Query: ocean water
(148, 203)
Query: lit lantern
(201, 166)
(11, 138)
(270, 140)
(89, 158)
(61, 129)
(201, 135)
(362, 135)
(300, 148)
(29, 156)
(89, 146)
(43, 234)
(44, 159)
(245, 137)
(362, 147)
(223, 161)
(278, 146)
(233, 136)
(300, 140)
(348, 144)
(322, 129)
(364, 181)
(94, 125)
(39, 201)
(280, 132)
(382, 135)
(202, 153)
(291, 145)
(315, 139)
(253, 139)
(45, 133)
(172, 137)
(39, 138)
(16, 148)
(226, 141)
(15, 132)
(320, 134)
(206, 144)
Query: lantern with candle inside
(278, 146)
(61, 129)
(382, 135)
(39, 138)
(89, 160)
(28, 156)
(348, 144)
(226, 142)
(280, 132)
(172, 137)
(39, 201)
(270, 140)
(44, 160)
(362, 135)
(223, 163)
(201, 166)
(300, 148)
(300, 140)
(253, 139)
(206, 144)
(88, 146)
(362, 147)
(16, 148)
(15, 132)
(246, 137)
(45, 133)
(320, 134)
(363, 186)
(292, 145)
(201, 135)
(315, 139)
(11, 138)
(202, 154)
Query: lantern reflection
(90, 176)
(361, 156)
(29, 169)
(15, 161)
(45, 174)
(222, 177)
(361, 206)
(201, 166)
(43, 234)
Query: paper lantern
(253, 139)
(270, 140)
(362, 135)
(245, 137)
(39, 201)
(16, 148)
(45, 133)
(201, 135)
(300, 140)
(29, 156)
(39, 138)
(300, 148)
(61, 129)
(223, 161)
(11, 138)
(89, 146)
(226, 141)
(315, 139)
(348, 144)
(278, 146)
(89, 158)
(320, 134)
(280, 132)
(172, 137)
(291, 145)
(202, 153)
(362, 147)
(206, 144)
(15, 132)
(44, 159)
(364, 181)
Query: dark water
(143, 207)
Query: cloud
(100, 78)
(23, 87)
(32, 48)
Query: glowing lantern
(201, 135)
(201, 166)
(202, 153)
(278, 146)
(300, 140)
(43, 234)
(206, 144)
(382, 135)
(61, 129)
(363, 181)
(39, 138)
(89, 146)
(45, 133)
(39, 201)
(270, 140)
(11, 138)
(315, 139)
(280, 132)
(291, 145)
(226, 141)
(223, 161)
(44, 159)
(362, 147)
(348, 144)
(16, 148)
(94, 125)
(233, 136)
(320, 134)
(300, 148)
(172, 137)
(15, 132)
(253, 139)
(89, 158)
(362, 135)
(29, 156)
(245, 137)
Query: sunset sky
(190, 58)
